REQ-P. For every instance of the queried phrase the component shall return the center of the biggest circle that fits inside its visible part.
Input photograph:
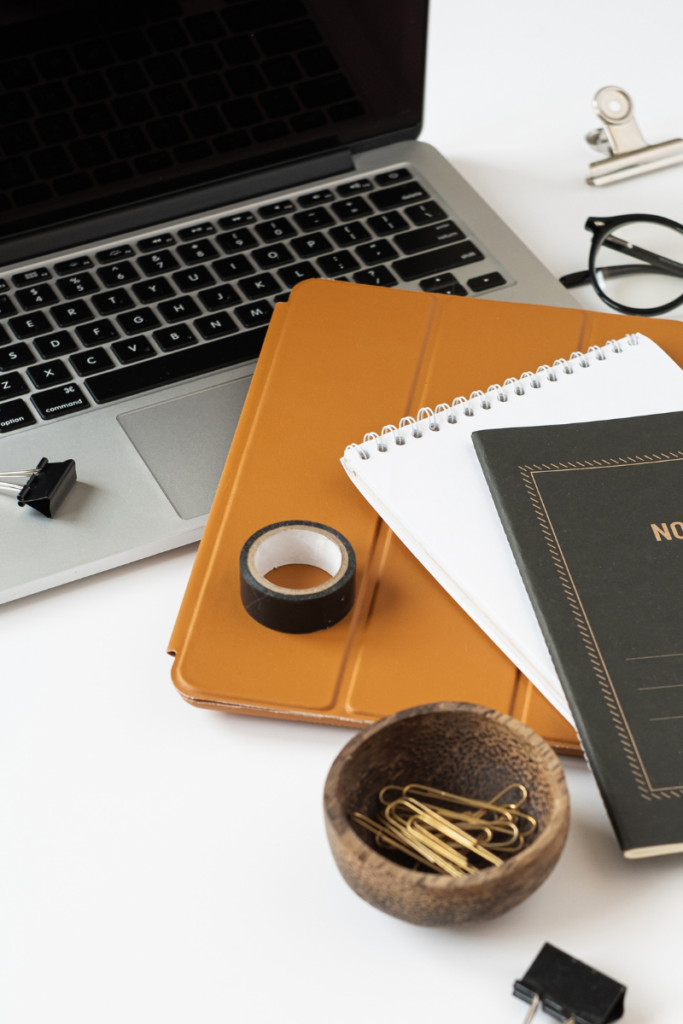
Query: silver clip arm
(628, 154)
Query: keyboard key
(425, 213)
(30, 325)
(190, 280)
(197, 252)
(376, 252)
(138, 320)
(219, 298)
(155, 263)
(95, 361)
(391, 177)
(378, 275)
(215, 326)
(11, 385)
(275, 209)
(311, 245)
(446, 284)
(428, 238)
(14, 356)
(119, 273)
(236, 220)
(350, 209)
(4, 336)
(262, 284)
(228, 270)
(352, 187)
(255, 313)
(316, 198)
(170, 338)
(58, 344)
(236, 241)
(180, 308)
(31, 276)
(273, 230)
(350, 234)
(338, 263)
(197, 231)
(399, 195)
(77, 284)
(34, 298)
(119, 252)
(96, 333)
(7, 307)
(73, 266)
(273, 256)
(299, 272)
(3, 285)
(437, 260)
(311, 220)
(486, 281)
(60, 401)
(153, 291)
(14, 415)
(388, 223)
(156, 242)
(130, 380)
(133, 350)
(44, 375)
(71, 313)
(112, 302)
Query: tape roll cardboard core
(297, 542)
(297, 547)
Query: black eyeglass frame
(602, 227)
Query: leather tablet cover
(337, 359)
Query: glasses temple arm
(584, 276)
(629, 249)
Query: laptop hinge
(184, 204)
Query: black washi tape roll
(297, 542)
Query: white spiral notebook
(424, 479)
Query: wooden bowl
(462, 748)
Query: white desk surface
(138, 880)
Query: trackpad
(184, 442)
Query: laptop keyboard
(156, 309)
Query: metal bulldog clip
(628, 154)
(44, 487)
(569, 990)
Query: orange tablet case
(340, 360)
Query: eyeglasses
(650, 280)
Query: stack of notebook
(340, 360)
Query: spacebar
(129, 380)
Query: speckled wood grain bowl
(465, 749)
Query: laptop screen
(108, 103)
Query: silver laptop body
(145, 393)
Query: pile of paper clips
(451, 834)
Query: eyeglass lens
(640, 264)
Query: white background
(160, 863)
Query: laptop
(169, 171)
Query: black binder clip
(569, 991)
(45, 487)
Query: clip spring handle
(535, 1003)
(627, 153)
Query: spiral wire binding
(427, 417)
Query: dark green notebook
(594, 516)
